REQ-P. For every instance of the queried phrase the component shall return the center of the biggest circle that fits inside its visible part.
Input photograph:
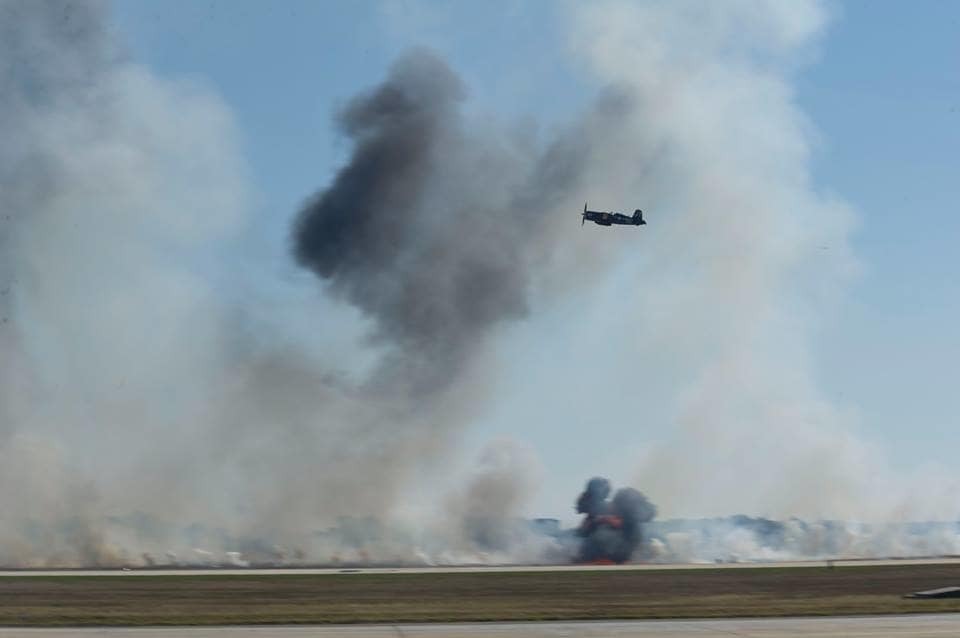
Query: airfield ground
(218, 599)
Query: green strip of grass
(451, 597)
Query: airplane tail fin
(638, 217)
(583, 219)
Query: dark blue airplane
(609, 219)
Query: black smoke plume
(611, 530)
(429, 228)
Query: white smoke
(141, 412)
(731, 291)
(114, 187)
(759, 540)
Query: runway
(917, 626)
(444, 569)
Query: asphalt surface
(137, 571)
(918, 626)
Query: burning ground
(612, 530)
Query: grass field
(348, 598)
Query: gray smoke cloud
(489, 506)
(110, 343)
(141, 416)
(432, 228)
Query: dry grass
(348, 598)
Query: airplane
(608, 219)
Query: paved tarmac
(140, 571)
(916, 626)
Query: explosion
(612, 530)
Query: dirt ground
(594, 594)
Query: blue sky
(882, 90)
(885, 96)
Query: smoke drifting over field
(139, 415)
(145, 418)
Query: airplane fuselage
(610, 219)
